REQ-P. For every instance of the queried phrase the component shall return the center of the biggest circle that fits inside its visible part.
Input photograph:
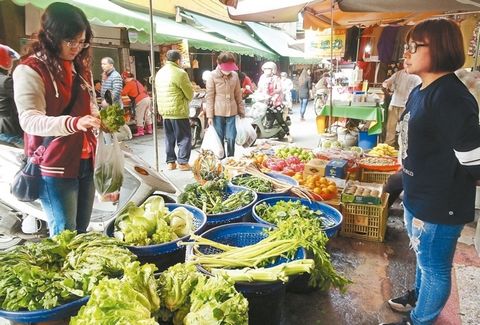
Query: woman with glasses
(440, 152)
(52, 91)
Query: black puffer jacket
(8, 111)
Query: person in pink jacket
(224, 100)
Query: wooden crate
(363, 221)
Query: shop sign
(183, 48)
(317, 43)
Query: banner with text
(317, 43)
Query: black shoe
(403, 322)
(404, 303)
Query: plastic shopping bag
(212, 142)
(108, 171)
(246, 134)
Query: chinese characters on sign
(317, 43)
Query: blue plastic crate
(329, 212)
(45, 315)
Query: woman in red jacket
(52, 91)
(141, 101)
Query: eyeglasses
(76, 45)
(412, 47)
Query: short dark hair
(445, 42)
(173, 55)
(226, 57)
(96, 81)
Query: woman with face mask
(224, 100)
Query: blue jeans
(303, 106)
(225, 127)
(14, 140)
(178, 132)
(434, 246)
(68, 202)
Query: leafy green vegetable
(254, 183)
(212, 197)
(106, 179)
(310, 236)
(112, 118)
(149, 223)
(176, 284)
(57, 270)
(215, 301)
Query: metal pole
(332, 4)
(152, 82)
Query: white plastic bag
(109, 163)
(212, 142)
(246, 134)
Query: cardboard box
(315, 166)
(362, 193)
(336, 168)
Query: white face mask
(226, 73)
(268, 72)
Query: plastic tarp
(100, 12)
(233, 32)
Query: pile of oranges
(317, 184)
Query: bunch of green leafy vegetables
(130, 300)
(292, 208)
(189, 297)
(152, 223)
(212, 197)
(112, 118)
(308, 232)
(41, 275)
(107, 178)
(254, 183)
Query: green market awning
(278, 41)
(234, 33)
(100, 12)
(168, 31)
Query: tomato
(297, 167)
(293, 160)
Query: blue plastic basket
(329, 212)
(283, 178)
(166, 254)
(45, 315)
(242, 234)
(214, 220)
(265, 299)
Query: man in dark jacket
(10, 131)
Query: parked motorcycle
(197, 117)
(20, 221)
(263, 119)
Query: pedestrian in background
(440, 152)
(401, 83)
(287, 86)
(10, 131)
(304, 86)
(52, 91)
(142, 103)
(246, 84)
(224, 100)
(174, 92)
(112, 84)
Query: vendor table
(367, 113)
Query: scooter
(21, 221)
(263, 121)
(197, 117)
